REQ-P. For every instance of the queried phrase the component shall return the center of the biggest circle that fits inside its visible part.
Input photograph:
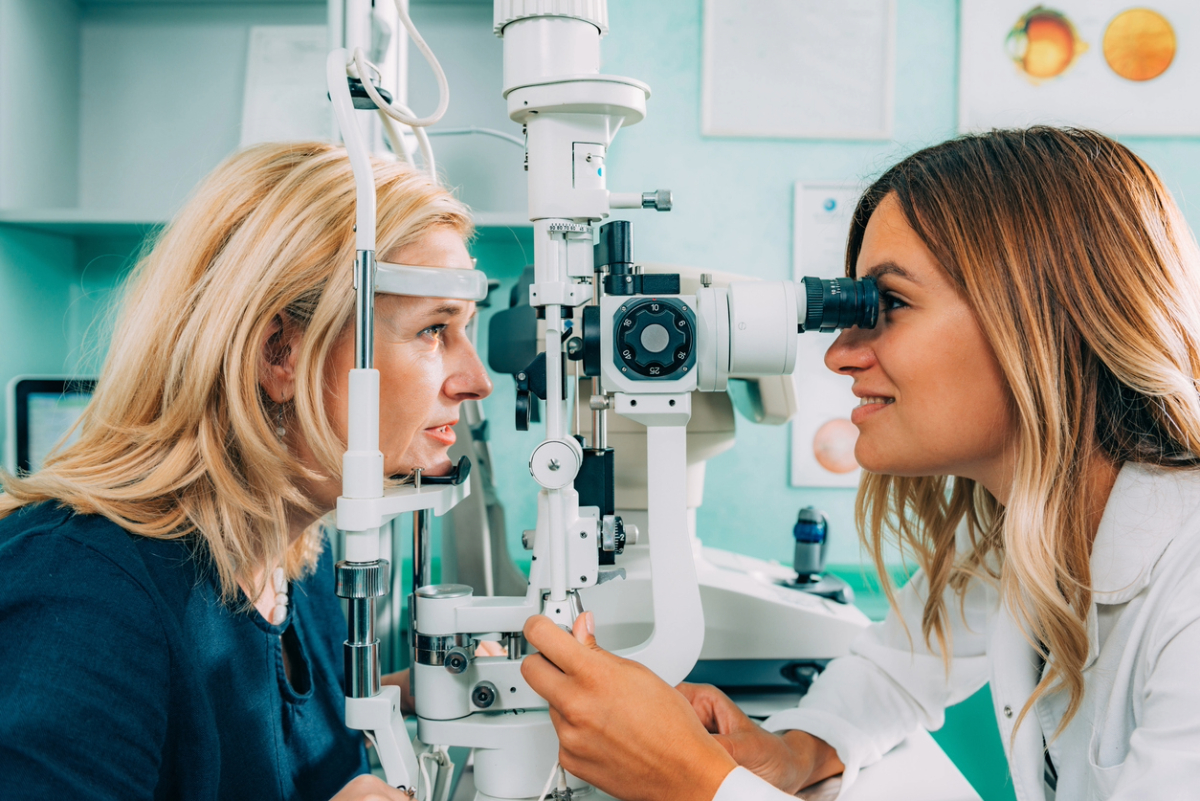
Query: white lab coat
(1137, 733)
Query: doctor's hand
(620, 727)
(791, 760)
(369, 788)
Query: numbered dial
(655, 338)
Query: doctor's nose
(851, 352)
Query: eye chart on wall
(822, 435)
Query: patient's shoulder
(48, 547)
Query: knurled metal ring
(362, 579)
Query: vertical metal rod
(599, 420)
(556, 404)
(395, 597)
(422, 572)
(362, 650)
(364, 319)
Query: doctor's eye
(889, 302)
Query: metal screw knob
(457, 660)
(659, 200)
(484, 694)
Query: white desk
(915, 770)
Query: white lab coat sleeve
(1163, 760)
(891, 683)
(742, 785)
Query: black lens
(835, 303)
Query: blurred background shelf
(116, 223)
(81, 222)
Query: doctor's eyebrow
(888, 268)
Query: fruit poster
(1120, 68)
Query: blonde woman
(168, 625)
(1031, 423)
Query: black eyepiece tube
(836, 303)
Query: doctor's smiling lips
(869, 405)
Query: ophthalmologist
(168, 622)
(1030, 432)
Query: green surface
(971, 739)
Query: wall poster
(1100, 64)
(802, 69)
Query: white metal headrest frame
(430, 282)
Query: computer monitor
(41, 410)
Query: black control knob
(655, 338)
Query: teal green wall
(36, 273)
(732, 212)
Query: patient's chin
(432, 464)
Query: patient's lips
(443, 433)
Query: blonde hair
(179, 438)
(1085, 280)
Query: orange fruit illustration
(1139, 44)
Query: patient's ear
(277, 358)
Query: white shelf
(80, 222)
(125, 135)
(501, 219)
(104, 222)
(87, 3)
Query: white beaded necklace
(279, 613)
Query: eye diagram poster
(822, 435)
(1118, 67)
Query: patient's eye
(433, 332)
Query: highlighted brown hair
(1085, 279)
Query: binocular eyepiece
(835, 303)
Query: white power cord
(440, 757)
(555, 772)
(396, 139)
(363, 69)
(400, 145)
(396, 111)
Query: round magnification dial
(655, 338)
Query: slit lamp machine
(650, 343)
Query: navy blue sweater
(123, 676)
